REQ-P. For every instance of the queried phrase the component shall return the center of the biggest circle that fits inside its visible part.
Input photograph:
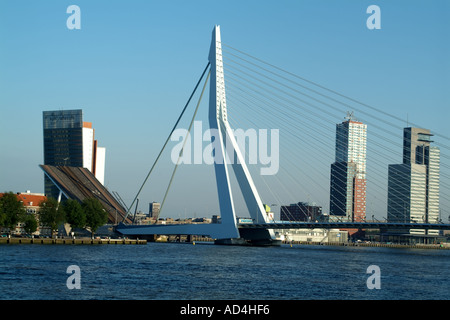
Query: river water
(174, 271)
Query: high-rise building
(68, 141)
(348, 172)
(413, 186)
(154, 209)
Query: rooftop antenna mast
(350, 116)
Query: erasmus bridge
(262, 229)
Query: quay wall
(69, 241)
(363, 244)
(89, 241)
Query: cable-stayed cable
(379, 139)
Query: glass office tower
(413, 186)
(68, 141)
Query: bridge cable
(240, 86)
(167, 140)
(184, 143)
(387, 140)
(256, 113)
(445, 166)
(330, 90)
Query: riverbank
(199, 239)
(372, 244)
(69, 241)
(444, 246)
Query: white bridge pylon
(228, 228)
(218, 120)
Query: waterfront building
(413, 186)
(348, 172)
(69, 141)
(301, 211)
(31, 202)
(154, 209)
(316, 235)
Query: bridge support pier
(251, 237)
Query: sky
(133, 64)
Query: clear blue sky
(133, 64)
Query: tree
(30, 224)
(95, 214)
(12, 210)
(51, 214)
(75, 214)
(3, 214)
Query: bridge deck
(345, 225)
(216, 230)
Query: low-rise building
(31, 203)
(316, 235)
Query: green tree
(12, 210)
(2, 215)
(51, 214)
(96, 216)
(30, 224)
(75, 214)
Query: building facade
(301, 211)
(154, 209)
(30, 202)
(348, 172)
(316, 235)
(413, 186)
(69, 141)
